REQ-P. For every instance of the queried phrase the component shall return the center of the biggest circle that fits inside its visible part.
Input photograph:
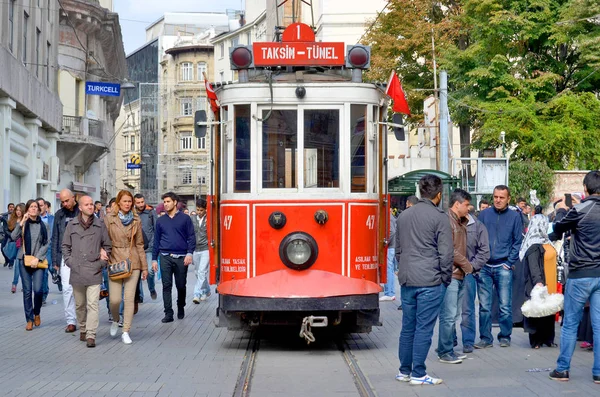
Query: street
(191, 357)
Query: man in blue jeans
(505, 229)
(425, 255)
(583, 281)
(389, 288)
(457, 214)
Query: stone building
(30, 108)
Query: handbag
(122, 269)
(28, 259)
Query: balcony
(83, 140)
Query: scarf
(43, 236)
(536, 234)
(127, 218)
(83, 223)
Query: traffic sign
(100, 88)
(131, 166)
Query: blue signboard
(99, 88)
(131, 166)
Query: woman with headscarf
(34, 234)
(541, 330)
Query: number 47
(227, 221)
(371, 222)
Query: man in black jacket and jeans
(583, 281)
(174, 241)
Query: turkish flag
(210, 93)
(394, 91)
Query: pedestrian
(201, 257)
(425, 256)
(457, 214)
(98, 210)
(15, 243)
(478, 253)
(522, 208)
(505, 234)
(483, 204)
(411, 200)
(34, 234)
(389, 288)
(148, 217)
(583, 280)
(63, 216)
(532, 254)
(85, 248)
(4, 235)
(48, 219)
(175, 242)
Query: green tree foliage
(531, 175)
(530, 68)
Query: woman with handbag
(127, 261)
(32, 260)
(14, 244)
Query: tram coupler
(309, 322)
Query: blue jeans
(389, 287)
(45, 287)
(577, 292)
(501, 278)
(448, 317)
(467, 299)
(16, 271)
(105, 282)
(201, 261)
(420, 310)
(150, 278)
(32, 284)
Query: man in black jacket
(583, 282)
(68, 211)
(425, 255)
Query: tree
(531, 175)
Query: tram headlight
(298, 251)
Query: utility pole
(436, 96)
(443, 121)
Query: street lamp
(503, 139)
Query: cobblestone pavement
(191, 357)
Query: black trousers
(170, 267)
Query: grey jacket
(61, 218)
(200, 230)
(39, 250)
(424, 247)
(81, 251)
(148, 217)
(478, 244)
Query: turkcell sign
(132, 166)
(99, 88)
(299, 54)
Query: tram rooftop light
(358, 57)
(241, 57)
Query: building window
(25, 29)
(11, 23)
(202, 143)
(235, 41)
(38, 35)
(221, 76)
(201, 180)
(186, 106)
(201, 103)
(133, 143)
(186, 177)
(49, 11)
(222, 50)
(48, 52)
(249, 38)
(187, 71)
(201, 70)
(186, 139)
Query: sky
(136, 15)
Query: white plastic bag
(542, 303)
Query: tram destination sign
(299, 54)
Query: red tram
(299, 203)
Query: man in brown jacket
(459, 209)
(85, 249)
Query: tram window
(242, 148)
(375, 151)
(358, 146)
(279, 149)
(225, 146)
(321, 148)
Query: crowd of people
(93, 254)
(499, 253)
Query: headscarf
(127, 218)
(536, 234)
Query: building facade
(90, 49)
(30, 108)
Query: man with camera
(583, 280)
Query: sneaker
(586, 345)
(504, 342)
(167, 319)
(425, 380)
(467, 349)
(386, 298)
(114, 327)
(402, 378)
(121, 322)
(562, 376)
(110, 319)
(482, 345)
(126, 339)
(196, 300)
(460, 356)
(153, 295)
(204, 297)
(450, 358)
(597, 379)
